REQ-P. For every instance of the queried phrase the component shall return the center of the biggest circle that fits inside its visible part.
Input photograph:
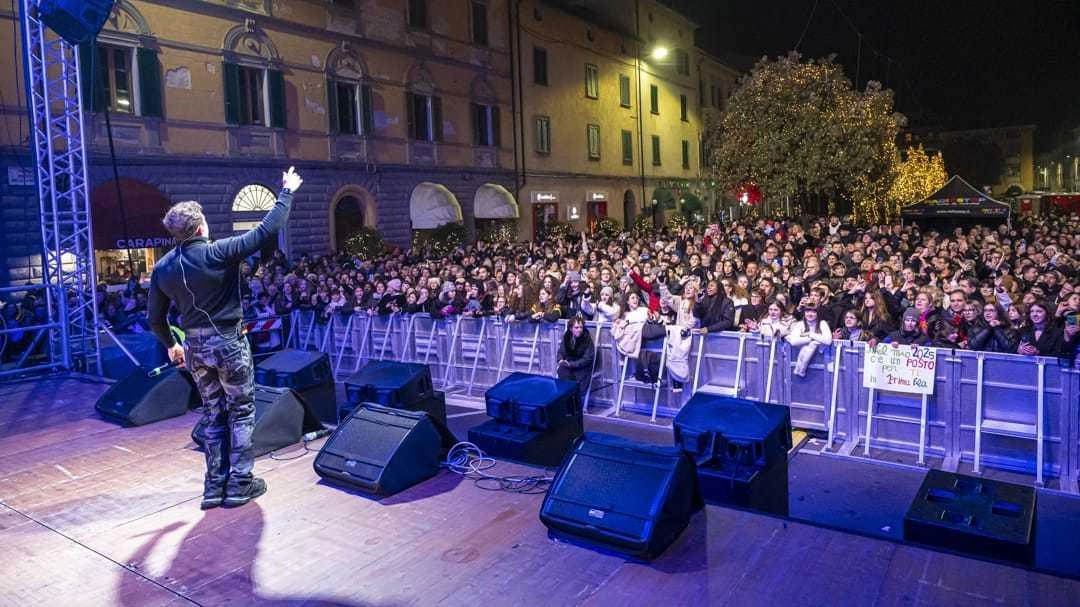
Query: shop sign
(545, 197)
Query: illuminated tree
(800, 129)
(917, 176)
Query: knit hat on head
(911, 314)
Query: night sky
(955, 63)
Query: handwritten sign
(900, 368)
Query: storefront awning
(492, 201)
(139, 226)
(432, 205)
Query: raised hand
(290, 180)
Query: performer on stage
(202, 277)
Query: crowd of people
(989, 288)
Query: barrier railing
(987, 410)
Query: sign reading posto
(900, 368)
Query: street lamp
(659, 53)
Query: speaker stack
(740, 447)
(535, 419)
(616, 494)
(392, 384)
(308, 373)
(392, 433)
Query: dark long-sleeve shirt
(717, 313)
(206, 274)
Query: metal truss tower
(59, 147)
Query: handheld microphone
(163, 368)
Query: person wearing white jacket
(808, 335)
(604, 311)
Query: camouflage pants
(225, 376)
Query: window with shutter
(543, 135)
(149, 69)
(592, 81)
(592, 132)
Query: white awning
(492, 201)
(432, 205)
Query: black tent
(957, 200)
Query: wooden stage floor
(94, 514)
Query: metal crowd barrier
(1004, 411)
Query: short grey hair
(184, 219)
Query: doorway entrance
(629, 207)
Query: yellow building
(395, 112)
(608, 107)
(368, 98)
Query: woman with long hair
(545, 309)
(576, 355)
(808, 335)
(851, 328)
(775, 322)
(874, 315)
(992, 332)
(1042, 336)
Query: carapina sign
(900, 368)
(145, 243)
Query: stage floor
(94, 514)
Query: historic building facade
(209, 100)
(390, 109)
(608, 109)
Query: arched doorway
(629, 208)
(348, 218)
(352, 207)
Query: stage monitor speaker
(973, 515)
(613, 493)
(137, 399)
(381, 451)
(281, 419)
(537, 402)
(764, 489)
(308, 373)
(76, 21)
(719, 429)
(391, 384)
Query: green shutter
(149, 82)
(230, 77)
(367, 111)
(496, 128)
(436, 118)
(331, 106)
(95, 95)
(277, 98)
